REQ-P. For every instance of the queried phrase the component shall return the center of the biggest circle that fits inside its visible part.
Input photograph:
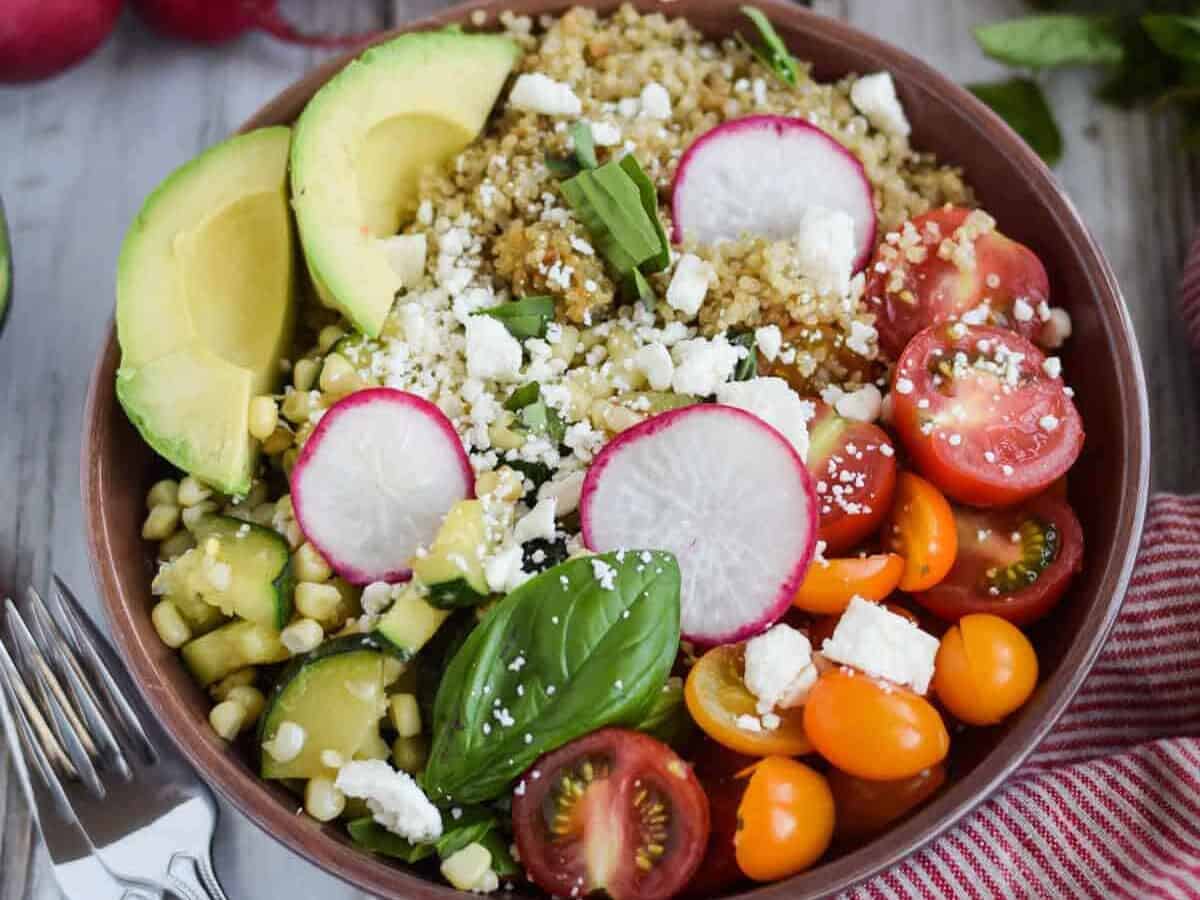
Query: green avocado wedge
(204, 305)
(361, 144)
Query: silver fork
(99, 757)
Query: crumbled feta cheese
(861, 338)
(779, 668)
(538, 523)
(773, 401)
(656, 102)
(565, 491)
(538, 93)
(882, 643)
(502, 570)
(1022, 311)
(1052, 367)
(605, 574)
(904, 386)
(654, 361)
(1056, 330)
(1048, 423)
(287, 742)
(769, 340)
(689, 284)
(826, 248)
(405, 253)
(605, 134)
(395, 800)
(702, 365)
(863, 405)
(376, 597)
(748, 723)
(491, 351)
(875, 97)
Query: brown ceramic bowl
(1109, 485)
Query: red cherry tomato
(980, 417)
(615, 811)
(854, 467)
(865, 808)
(719, 869)
(915, 283)
(1015, 563)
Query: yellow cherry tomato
(785, 819)
(876, 731)
(985, 669)
(829, 584)
(921, 529)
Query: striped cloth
(1109, 804)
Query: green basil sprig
(474, 825)
(525, 318)
(583, 156)
(608, 202)
(747, 366)
(534, 414)
(586, 644)
(668, 719)
(773, 53)
(1021, 103)
(1040, 42)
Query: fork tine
(91, 650)
(86, 701)
(69, 727)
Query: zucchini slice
(410, 622)
(337, 694)
(231, 647)
(261, 570)
(453, 567)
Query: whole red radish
(216, 21)
(40, 38)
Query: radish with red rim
(758, 175)
(374, 481)
(723, 491)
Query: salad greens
(773, 53)
(534, 414)
(1020, 102)
(473, 825)
(747, 366)
(525, 318)
(586, 644)
(668, 719)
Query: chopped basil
(536, 473)
(1020, 103)
(747, 366)
(1176, 36)
(523, 396)
(773, 53)
(649, 198)
(608, 202)
(635, 287)
(541, 418)
(585, 145)
(525, 318)
(562, 166)
(1052, 40)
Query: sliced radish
(375, 480)
(757, 175)
(724, 492)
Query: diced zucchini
(261, 589)
(201, 617)
(337, 694)
(410, 622)
(453, 567)
(231, 647)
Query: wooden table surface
(78, 154)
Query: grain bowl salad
(654, 461)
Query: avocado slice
(204, 305)
(361, 144)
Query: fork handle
(193, 878)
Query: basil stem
(773, 53)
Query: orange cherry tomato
(785, 819)
(828, 585)
(875, 731)
(865, 808)
(985, 669)
(921, 530)
(716, 696)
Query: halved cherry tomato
(865, 808)
(829, 584)
(912, 286)
(854, 466)
(615, 811)
(921, 530)
(719, 870)
(873, 730)
(980, 416)
(785, 819)
(716, 696)
(986, 668)
(1015, 563)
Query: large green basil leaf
(374, 837)
(1021, 103)
(586, 644)
(1052, 40)
(649, 197)
(609, 204)
(667, 718)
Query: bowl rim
(241, 787)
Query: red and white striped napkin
(1109, 804)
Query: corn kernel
(302, 636)
(296, 406)
(161, 522)
(169, 624)
(322, 799)
(564, 348)
(405, 715)
(220, 690)
(317, 601)
(193, 514)
(289, 458)
(393, 669)
(251, 699)
(175, 546)
(163, 492)
(467, 867)
(329, 336)
(278, 440)
(192, 491)
(310, 565)
(262, 417)
(502, 435)
(226, 719)
(410, 753)
(374, 747)
(338, 376)
(304, 375)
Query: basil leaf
(747, 366)
(523, 396)
(472, 826)
(608, 202)
(524, 318)
(774, 53)
(454, 594)
(635, 287)
(649, 197)
(1021, 104)
(1177, 36)
(668, 719)
(563, 167)
(1145, 73)
(585, 145)
(431, 662)
(503, 863)
(594, 654)
(541, 418)
(366, 832)
(1052, 40)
